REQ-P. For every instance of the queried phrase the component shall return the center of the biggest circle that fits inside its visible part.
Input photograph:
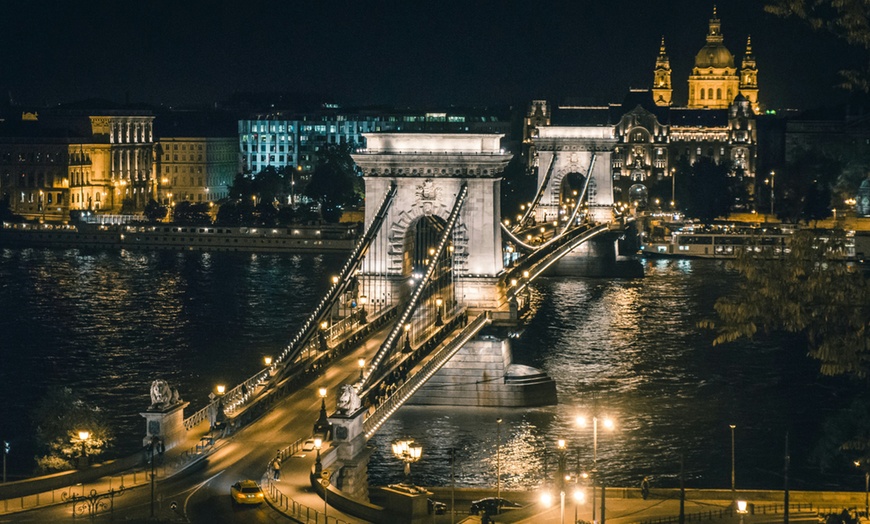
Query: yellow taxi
(246, 492)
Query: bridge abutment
(609, 256)
(482, 374)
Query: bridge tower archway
(429, 171)
(563, 150)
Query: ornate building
(654, 135)
(715, 81)
(76, 160)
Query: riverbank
(317, 238)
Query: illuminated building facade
(196, 169)
(654, 135)
(73, 160)
(284, 140)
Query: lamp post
(322, 425)
(579, 499)
(742, 509)
(83, 457)
(439, 321)
(6, 448)
(673, 186)
(609, 425)
(772, 192)
(497, 460)
(362, 309)
(733, 489)
(362, 364)
(407, 346)
(154, 446)
(866, 487)
(318, 467)
(563, 450)
(407, 451)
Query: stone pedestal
(481, 374)
(166, 424)
(347, 434)
(406, 504)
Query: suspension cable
(387, 345)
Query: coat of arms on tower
(427, 195)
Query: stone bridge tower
(564, 150)
(429, 170)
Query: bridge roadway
(202, 491)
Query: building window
(719, 94)
(710, 93)
(702, 94)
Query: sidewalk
(193, 448)
(292, 495)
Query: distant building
(655, 135)
(197, 156)
(72, 159)
(285, 139)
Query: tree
(334, 183)
(709, 194)
(846, 19)
(236, 213)
(58, 419)
(191, 214)
(813, 291)
(155, 212)
(805, 186)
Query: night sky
(408, 53)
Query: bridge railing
(236, 398)
(410, 386)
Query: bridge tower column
(429, 170)
(571, 150)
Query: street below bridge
(202, 491)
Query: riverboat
(726, 243)
(304, 238)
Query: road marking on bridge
(201, 484)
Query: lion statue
(348, 400)
(162, 396)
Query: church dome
(715, 55)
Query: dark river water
(107, 323)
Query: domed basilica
(655, 135)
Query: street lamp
(407, 347)
(268, 361)
(563, 452)
(772, 192)
(407, 451)
(608, 424)
(362, 364)
(579, 499)
(221, 389)
(866, 487)
(154, 446)
(673, 185)
(321, 427)
(733, 491)
(362, 309)
(742, 509)
(83, 458)
(318, 467)
(438, 320)
(6, 448)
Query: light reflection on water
(631, 349)
(108, 323)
